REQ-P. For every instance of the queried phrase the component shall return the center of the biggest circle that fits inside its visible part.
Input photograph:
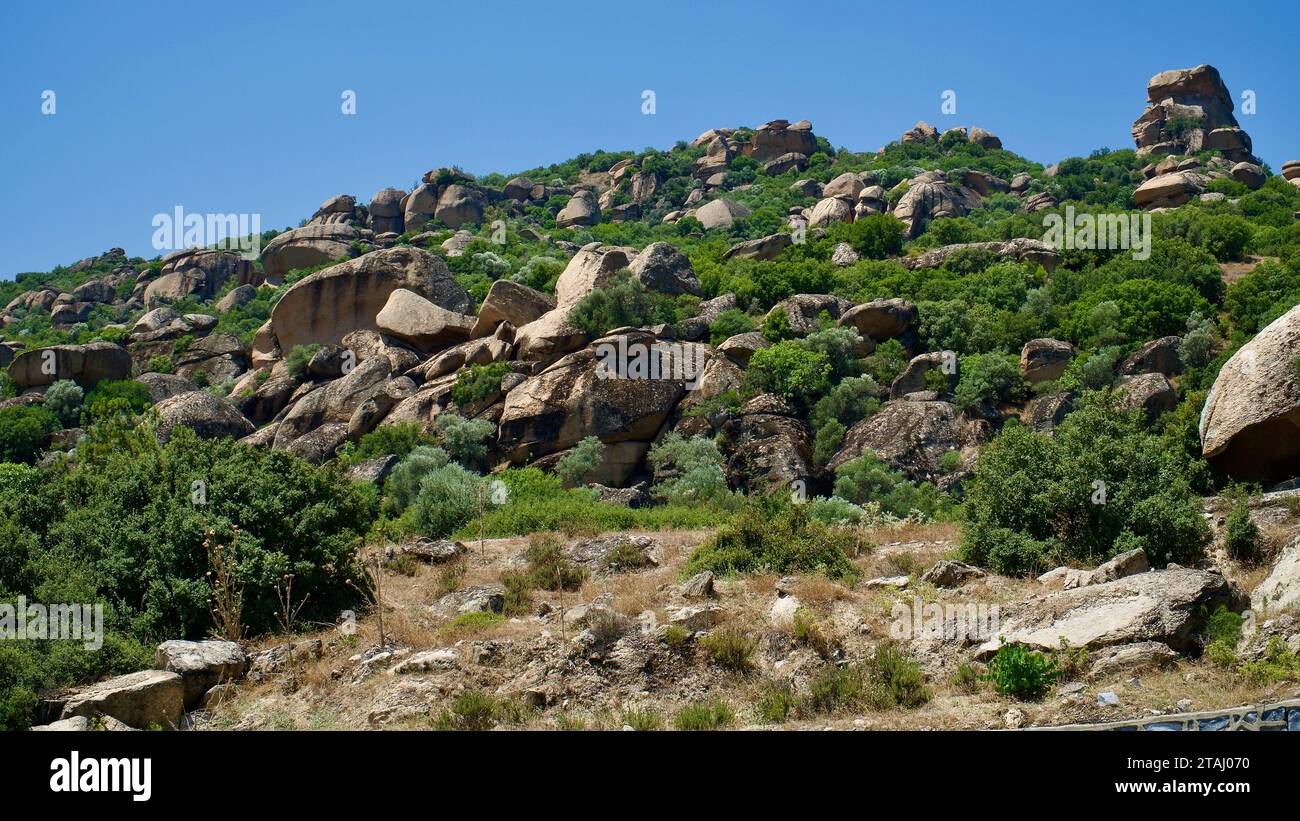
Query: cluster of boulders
(187, 675)
(1188, 111)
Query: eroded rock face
(197, 272)
(325, 306)
(84, 364)
(1168, 606)
(771, 140)
(334, 402)
(310, 246)
(570, 400)
(1250, 426)
(803, 311)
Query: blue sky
(164, 104)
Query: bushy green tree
(581, 461)
(988, 378)
(694, 469)
(63, 399)
(466, 440)
(22, 430)
(867, 479)
(1101, 484)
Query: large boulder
(201, 665)
(386, 211)
(582, 209)
(1168, 606)
(1167, 190)
(1190, 110)
(149, 699)
(1042, 360)
(767, 448)
(1250, 426)
(508, 301)
(911, 437)
(551, 335)
(459, 205)
(84, 364)
(661, 267)
(326, 306)
(763, 248)
(773, 139)
(1153, 393)
(335, 401)
(931, 196)
(881, 319)
(804, 311)
(424, 325)
(720, 213)
(211, 417)
(1157, 356)
(310, 246)
(574, 398)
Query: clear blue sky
(235, 107)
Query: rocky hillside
(675, 434)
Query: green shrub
(465, 440)
(403, 484)
(867, 479)
(22, 430)
(624, 301)
(703, 715)
(642, 719)
(1101, 484)
(988, 378)
(548, 569)
(771, 534)
(472, 710)
(581, 461)
(897, 676)
(296, 361)
(398, 439)
(116, 396)
(63, 399)
(874, 237)
(791, 370)
(1022, 673)
(728, 324)
(777, 702)
(694, 469)
(731, 648)
(448, 498)
(478, 382)
(162, 363)
(1241, 535)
